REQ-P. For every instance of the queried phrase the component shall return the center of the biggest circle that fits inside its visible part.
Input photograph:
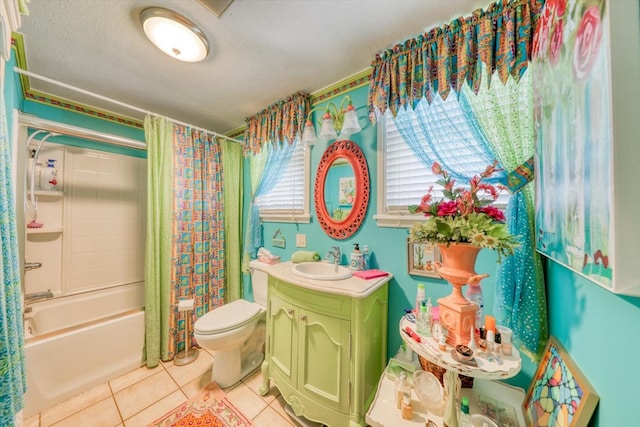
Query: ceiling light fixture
(174, 34)
(343, 120)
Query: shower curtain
(233, 166)
(185, 248)
(12, 375)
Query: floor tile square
(144, 393)
(249, 403)
(75, 404)
(103, 413)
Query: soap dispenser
(357, 258)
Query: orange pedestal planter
(457, 314)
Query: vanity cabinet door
(324, 359)
(283, 337)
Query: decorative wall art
(422, 258)
(573, 121)
(347, 192)
(559, 395)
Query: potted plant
(461, 224)
(464, 215)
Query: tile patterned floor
(144, 395)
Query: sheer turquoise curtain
(505, 113)
(449, 136)
(12, 375)
(265, 173)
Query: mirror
(341, 190)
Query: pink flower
(447, 208)
(426, 200)
(585, 49)
(556, 42)
(493, 212)
(436, 168)
(489, 189)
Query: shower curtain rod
(122, 104)
(70, 130)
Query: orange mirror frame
(345, 228)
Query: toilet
(236, 332)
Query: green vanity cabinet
(325, 352)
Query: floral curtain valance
(444, 58)
(280, 122)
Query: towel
(305, 256)
(370, 274)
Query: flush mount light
(174, 34)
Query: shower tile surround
(141, 396)
(95, 220)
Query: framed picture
(422, 258)
(347, 191)
(559, 394)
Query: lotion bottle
(367, 257)
(357, 258)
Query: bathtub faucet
(37, 296)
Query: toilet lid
(227, 317)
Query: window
(402, 178)
(288, 201)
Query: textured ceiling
(261, 51)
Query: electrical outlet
(301, 240)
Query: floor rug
(210, 408)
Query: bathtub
(76, 342)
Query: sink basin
(321, 271)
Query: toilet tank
(259, 279)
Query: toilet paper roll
(185, 305)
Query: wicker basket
(438, 371)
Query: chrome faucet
(37, 296)
(335, 253)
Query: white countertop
(353, 287)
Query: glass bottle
(465, 417)
(474, 294)
(402, 387)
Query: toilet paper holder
(189, 354)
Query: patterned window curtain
(279, 123)
(185, 255)
(12, 374)
(265, 172)
(506, 115)
(444, 58)
(277, 128)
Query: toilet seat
(227, 317)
